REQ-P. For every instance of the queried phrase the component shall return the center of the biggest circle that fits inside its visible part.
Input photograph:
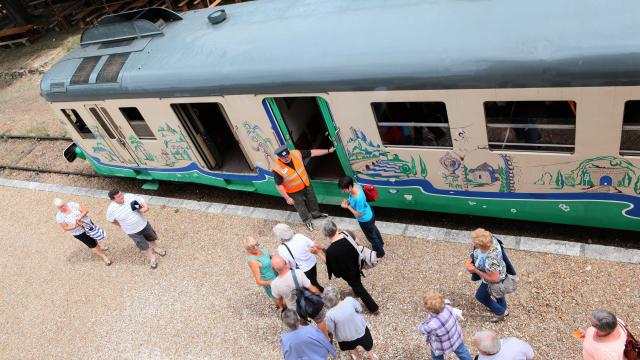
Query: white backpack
(368, 257)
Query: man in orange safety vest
(292, 182)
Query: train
(491, 108)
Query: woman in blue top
(358, 206)
(259, 262)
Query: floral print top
(491, 261)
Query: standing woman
(259, 262)
(489, 264)
(358, 206)
(347, 324)
(299, 251)
(343, 261)
(70, 217)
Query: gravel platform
(60, 301)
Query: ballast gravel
(59, 301)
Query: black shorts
(366, 341)
(87, 240)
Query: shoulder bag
(94, 231)
(295, 263)
(308, 304)
(367, 258)
(631, 346)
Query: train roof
(288, 46)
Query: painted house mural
(459, 176)
(609, 174)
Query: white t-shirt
(511, 349)
(299, 246)
(70, 218)
(283, 287)
(130, 221)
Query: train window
(630, 141)
(100, 121)
(76, 121)
(413, 124)
(137, 122)
(531, 125)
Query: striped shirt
(442, 332)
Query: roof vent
(84, 70)
(217, 17)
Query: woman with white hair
(345, 321)
(72, 218)
(605, 338)
(489, 264)
(299, 251)
(259, 262)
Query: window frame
(503, 125)
(628, 153)
(134, 123)
(85, 135)
(446, 125)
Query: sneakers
(309, 225)
(498, 318)
(321, 216)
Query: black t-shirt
(342, 260)
(278, 179)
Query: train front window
(547, 126)
(137, 122)
(630, 140)
(423, 124)
(78, 123)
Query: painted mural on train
(603, 174)
(371, 160)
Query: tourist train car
(494, 108)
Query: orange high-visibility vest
(292, 180)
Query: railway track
(627, 239)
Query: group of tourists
(289, 277)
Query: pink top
(610, 347)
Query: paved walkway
(60, 301)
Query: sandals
(154, 263)
(108, 262)
(161, 252)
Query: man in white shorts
(126, 211)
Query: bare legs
(100, 252)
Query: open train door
(307, 123)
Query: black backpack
(308, 304)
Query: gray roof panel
(275, 46)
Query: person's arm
(144, 207)
(68, 227)
(313, 289)
(321, 152)
(284, 195)
(83, 211)
(491, 276)
(280, 303)
(345, 205)
(255, 269)
(115, 222)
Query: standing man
(283, 289)
(126, 212)
(292, 182)
(303, 341)
(358, 206)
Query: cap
(282, 151)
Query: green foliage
(560, 180)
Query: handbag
(367, 258)
(370, 192)
(94, 231)
(507, 286)
(308, 304)
(632, 345)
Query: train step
(242, 187)
(151, 185)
